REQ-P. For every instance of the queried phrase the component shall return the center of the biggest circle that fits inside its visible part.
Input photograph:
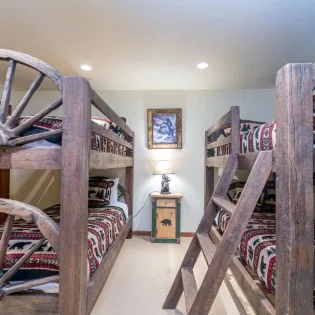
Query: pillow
(102, 191)
(235, 191)
(246, 125)
(269, 204)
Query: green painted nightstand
(166, 218)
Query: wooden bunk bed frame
(292, 161)
(74, 158)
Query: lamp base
(165, 193)
(165, 188)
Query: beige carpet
(142, 276)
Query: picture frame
(164, 128)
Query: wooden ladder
(199, 302)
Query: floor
(141, 278)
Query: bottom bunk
(108, 227)
(254, 266)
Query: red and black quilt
(104, 224)
(258, 245)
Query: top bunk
(246, 138)
(39, 141)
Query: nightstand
(166, 218)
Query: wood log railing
(230, 119)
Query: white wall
(200, 110)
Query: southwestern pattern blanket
(104, 224)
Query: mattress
(257, 137)
(257, 248)
(258, 245)
(98, 142)
(104, 224)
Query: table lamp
(163, 168)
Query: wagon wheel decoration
(47, 227)
(10, 131)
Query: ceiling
(154, 45)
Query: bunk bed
(254, 265)
(283, 147)
(81, 143)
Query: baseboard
(148, 233)
(187, 234)
(142, 233)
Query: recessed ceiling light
(86, 67)
(202, 65)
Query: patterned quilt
(259, 138)
(258, 245)
(104, 224)
(98, 142)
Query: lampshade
(163, 168)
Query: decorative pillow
(269, 204)
(246, 125)
(102, 191)
(235, 191)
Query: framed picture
(165, 128)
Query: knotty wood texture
(50, 158)
(29, 303)
(74, 198)
(295, 209)
(102, 160)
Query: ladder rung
(224, 203)
(190, 287)
(207, 246)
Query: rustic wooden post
(129, 187)
(74, 197)
(4, 189)
(209, 177)
(295, 212)
(235, 130)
